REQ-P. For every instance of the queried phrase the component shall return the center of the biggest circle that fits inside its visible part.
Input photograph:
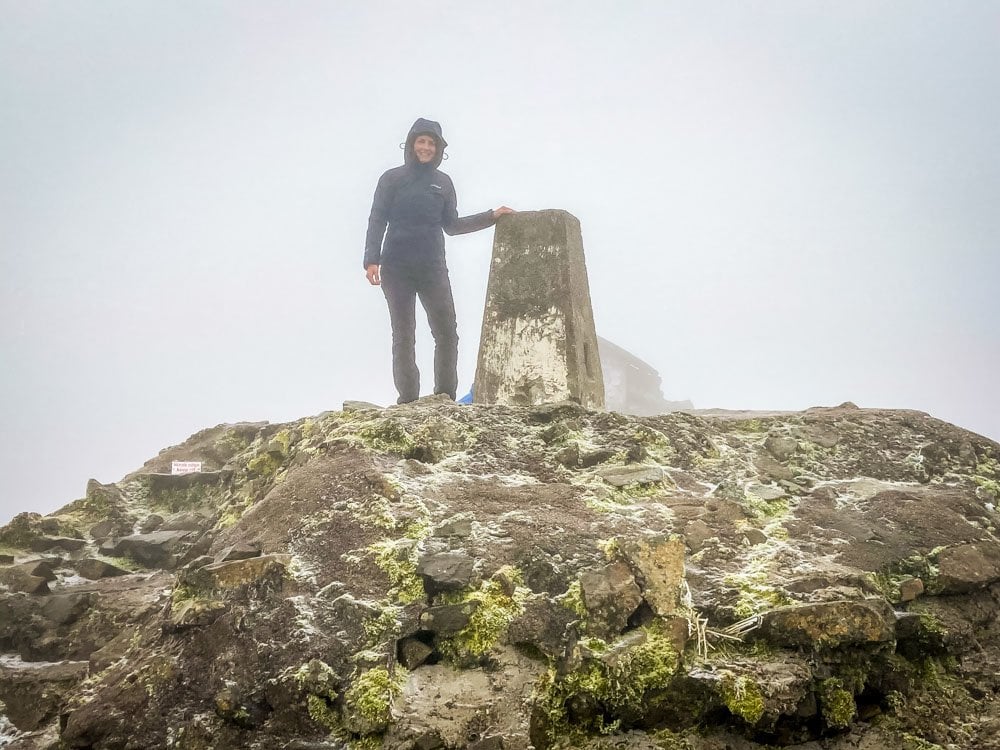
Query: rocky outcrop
(438, 576)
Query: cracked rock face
(439, 576)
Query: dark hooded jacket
(417, 202)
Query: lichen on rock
(429, 575)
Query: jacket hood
(420, 127)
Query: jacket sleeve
(377, 221)
(452, 224)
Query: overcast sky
(784, 204)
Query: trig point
(538, 343)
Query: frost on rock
(501, 576)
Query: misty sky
(784, 204)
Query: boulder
(38, 568)
(610, 596)
(185, 521)
(150, 523)
(110, 528)
(65, 609)
(22, 529)
(658, 565)
(448, 619)
(95, 569)
(350, 406)
(910, 589)
(20, 581)
(412, 652)
(173, 493)
(224, 576)
(830, 624)
(965, 567)
(446, 571)
(65, 543)
(624, 476)
(542, 624)
(152, 550)
(111, 651)
(781, 447)
(33, 692)
(566, 642)
(697, 533)
(239, 551)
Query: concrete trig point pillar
(538, 343)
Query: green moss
(836, 703)
(488, 623)
(264, 465)
(610, 547)
(742, 697)
(368, 701)
(383, 627)
(620, 682)
(21, 531)
(767, 510)
(96, 506)
(625, 495)
(319, 681)
(181, 593)
(989, 486)
(321, 712)
(397, 561)
(317, 677)
(573, 600)
(156, 674)
(388, 436)
(912, 742)
(988, 466)
(667, 740)
(233, 511)
(309, 427)
(656, 444)
(755, 594)
(750, 425)
(887, 583)
(281, 443)
(231, 443)
(379, 512)
(176, 499)
(895, 701)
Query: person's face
(425, 148)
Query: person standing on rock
(417, 202)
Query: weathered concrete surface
(538, 341)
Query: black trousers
(401, 286)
